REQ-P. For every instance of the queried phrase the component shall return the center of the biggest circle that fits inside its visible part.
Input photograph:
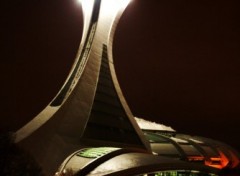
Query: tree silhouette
(14, 161)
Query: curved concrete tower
(90, 109)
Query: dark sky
(177, 61)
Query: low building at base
(165, 141)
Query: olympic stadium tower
(90, 111)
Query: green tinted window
(96, 152)
(154, 138)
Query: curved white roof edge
(148, 125)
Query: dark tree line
(14, 161)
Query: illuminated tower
(90, 109)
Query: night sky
(177, 61)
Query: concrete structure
(90, 109)
(169, 143)
(122, 162)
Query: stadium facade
(90, 111)
(165, 141)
